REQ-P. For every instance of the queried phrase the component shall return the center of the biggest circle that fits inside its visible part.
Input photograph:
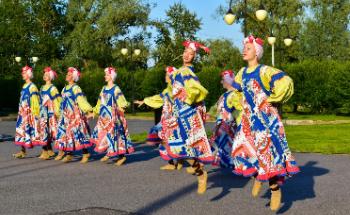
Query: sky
(213, 26)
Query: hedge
(320, 86)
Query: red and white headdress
(170, 69)
(228, 76)
(111, 71)
(29, 70)
(51, 72)
(75, 72)
(258, 44)
(195, 46)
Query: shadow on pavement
(219, 177)
(300, 186)
(19, 164)
(225, 179)
(30, 170)
(142, 152)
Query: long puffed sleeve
(34, 100)
(120, 98)
(157, 101)
(277, 83)
(96, 109)
(57, 99)
(237, 84)
(81, 100)
(233, 101)
(195, 92)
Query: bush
(210, 78)
(320, 86)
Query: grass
(140, 115)
(327, 117)
(325, 139)
(139, 137)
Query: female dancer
(27, 134)
(73, 129)
(111, 133)
(50, 101)
(260, 146)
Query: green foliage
(210, 78)
(224, 55)
(320, 86)
(180, 24)
(325, 34)
(94, 28)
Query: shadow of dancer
(301, 186)
(226, 180)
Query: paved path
(32, 186)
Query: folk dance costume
(260, 146)
(27, 134)
(227, 118)
(159, 132)
(187, 136)
(73, 129)
(111, 135)
(50, 101)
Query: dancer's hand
(121, 110)
(90, 115)
(139, 103)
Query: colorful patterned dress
(27, 134)
(50, 101)
(111, 133)
(186, 133)
(159, 132)
(260, 146)
(227, 118)
(73, 129)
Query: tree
(326, 34)
(284, 19)
(224, 55)
(95, 28)
(181, 24)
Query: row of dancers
(248, 137)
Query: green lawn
(314, 117)
(327, 117)
(326, 139)
(140, 115)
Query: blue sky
(213, 27)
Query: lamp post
(32, 60)
(230, 17)
(136, 52)
(272, 40)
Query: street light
(288, 41)
(261, 14)
(134, 51)
(272, 40)
(18, 59)
(124, 51)
(230, 18)
(35, 59)
(137, 52)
